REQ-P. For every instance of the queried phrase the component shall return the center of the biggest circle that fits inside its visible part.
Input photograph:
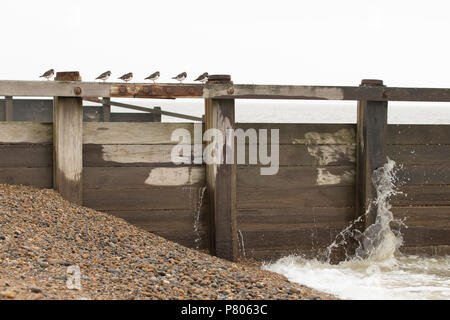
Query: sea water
(379, 270)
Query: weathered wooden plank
(423, 216)
(423, 174)
(175, 222)
(33, 110)
(53, 88)
(419, 154)
(294, 219)
(313, 196)
(92, 114)
(308, 238)
(296, 177)
(26, 155)
(371, 93)
(418, 134)
(310, 134)
(221, 179)
(219, 91)
(68, 143)
(441, 250)
(371, 152)
(25, 132)
(110, 155)
(36, 177)
(156, 198)
(133, 133)
(425, 236)
(158, 91)
(431, 195)
(129, 177)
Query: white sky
(405, 43)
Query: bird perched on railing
(180, 77)
(48, 74)
(104, 76)
(203, 77)
(154, 76)
(127, 77)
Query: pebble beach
(44, 238)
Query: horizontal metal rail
(219, 91)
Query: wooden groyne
(324, 180)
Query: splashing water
(201, 197)
(241, 244)
(377, 269)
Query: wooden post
(221, 179)
(106, 110)
(371, 151)
(68, 142)
(157, 115)
(9, 111)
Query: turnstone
(180, 77)
(153, 76)
(127, 77)
(203, 77)
(104, 76)
(48, 74)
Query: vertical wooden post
(371, 151)
(106, 110)
(9, 111)
(157, 115)
(221, 178)
(68, 142)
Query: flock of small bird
(128, 76)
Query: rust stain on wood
(156, 91)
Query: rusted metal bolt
(123, 89)
(191, 91)
(77, 91)
(230, 91)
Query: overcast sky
(405, 43)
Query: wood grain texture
(292, 198)
(221, 182)
(25, 132)
(156, 198)
(68, 148)
(295, 177)
(116, 155)
(138, 177)
(132, 133)
(294, 219)
(316, 133)
(370, 155)
(422, 195)
(430, 216)
(35, 177)
(26, 155)
(419, 134)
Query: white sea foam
(377, 270)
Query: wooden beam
(9, 111)
(219, 91)
(371, 152)
(68, 144)
(221, 182)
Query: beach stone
(82, 253)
